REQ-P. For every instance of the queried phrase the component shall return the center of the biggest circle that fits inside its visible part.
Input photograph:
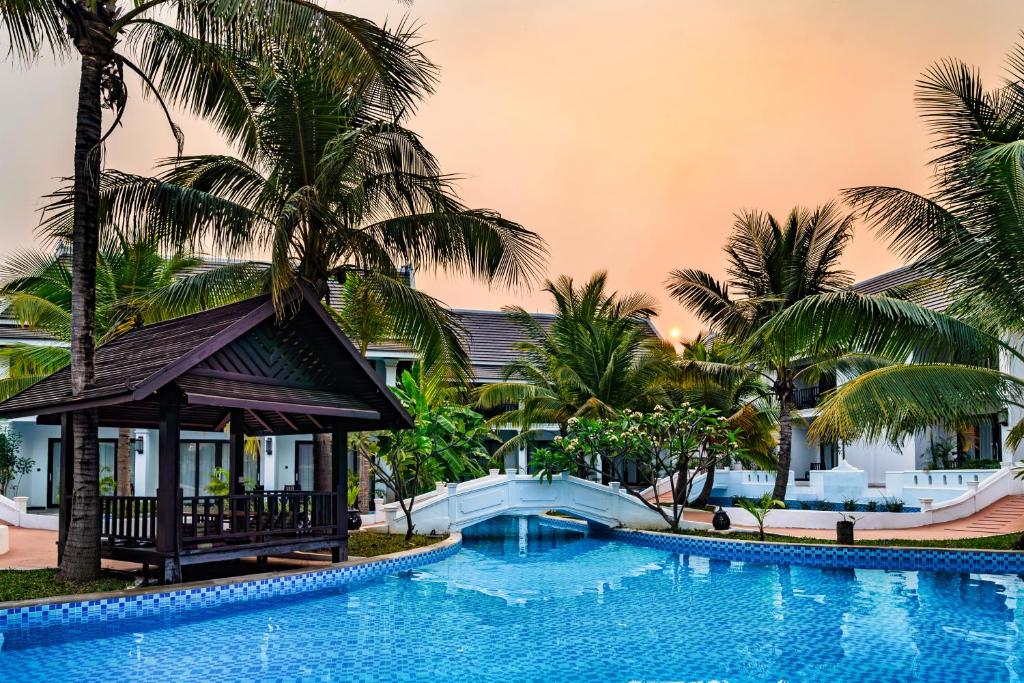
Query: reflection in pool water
(526, 602)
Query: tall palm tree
(187, 60)
(331, 186)
(967, 239)
(136, 285)
(595, 358)
(771, 266)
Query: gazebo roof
(295, 375)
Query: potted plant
(355, 520)
(844, 530)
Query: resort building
(284, 461)
(981, 445)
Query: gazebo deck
(222, 527)
(239, 367)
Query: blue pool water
(525, 602)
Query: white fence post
(453, 507)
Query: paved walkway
(36, 549)
(1002, 517)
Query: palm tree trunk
(705, 492)
(364, 483)
(124, 461)
(785, 448)
(81, 558)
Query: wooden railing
(251, 518)
(256, 517)
(128, 518)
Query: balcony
(807, 397)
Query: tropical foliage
(190, 60)
(771, 267)
(447, 443)
(136, 285)
(742, 397)
(13, 465)
(759, 509)
(596, 357)
(677, 444)
(966, 238)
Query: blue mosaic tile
(149, 604)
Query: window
(198, 460)
(108, 469)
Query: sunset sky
(626, 132)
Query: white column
(390, 372)
(522, 459)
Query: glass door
(108, 470)
(304, 465)
(53, 474)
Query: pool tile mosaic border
(860, 557)
(164, 602)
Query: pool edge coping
(453, 538)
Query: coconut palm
(967, 237)
(596, 357)
(331, 187)
(771, 266)
(136, 285)
(187, 60)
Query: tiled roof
(926, 290)
(239, 356)
(490, 340)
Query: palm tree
(136, 285)
(772, 266)
(595, 358)
(743, 397)
(189, 61)
(967, 239)
(332, 187)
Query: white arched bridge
(452, 507)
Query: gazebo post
(67, 476)
(339, 466)
(236, 447)
(168, 487)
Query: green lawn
(367, 544)
(1004, 542)
(18, 584)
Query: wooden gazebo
(238, 366)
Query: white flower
(573, 420)
(558, 438)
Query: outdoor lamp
(268, 444)
(140, 444)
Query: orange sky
(626, 132)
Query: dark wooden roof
(296, 375)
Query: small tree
(447, 442)
(759, 509)
(677, 444)
(12, 466)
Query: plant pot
(844, 533)
(355, 520)
(721, 520)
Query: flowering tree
(676, 443)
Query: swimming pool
(524, 601)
